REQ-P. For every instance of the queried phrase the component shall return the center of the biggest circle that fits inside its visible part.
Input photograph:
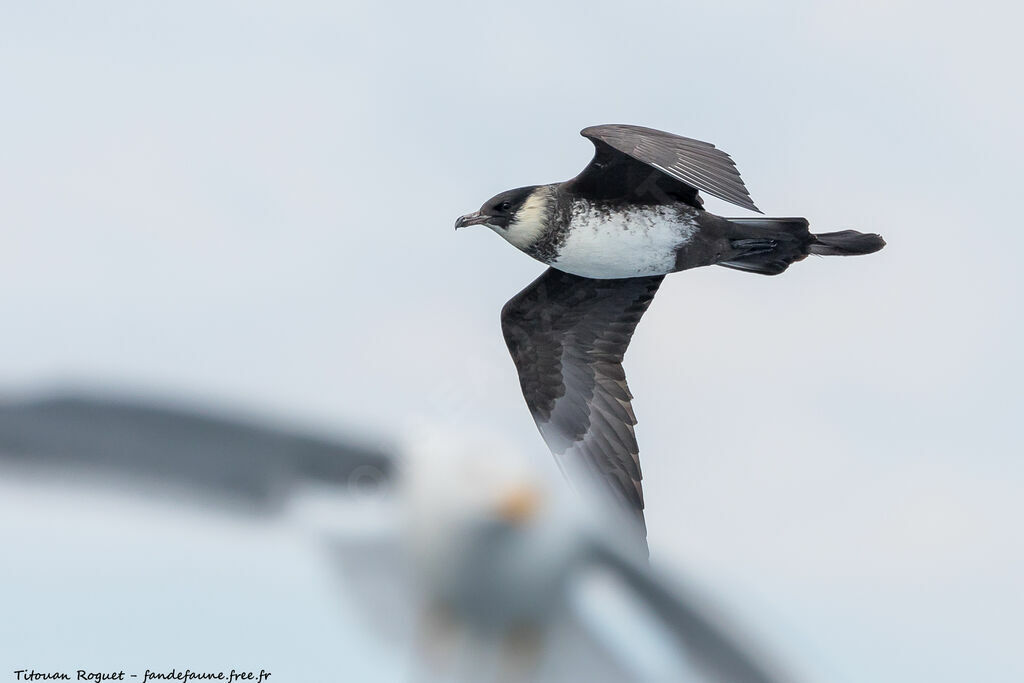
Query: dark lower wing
(567, 336)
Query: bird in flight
(610, 235)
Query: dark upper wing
(567, 336)
(637, 163)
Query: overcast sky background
(252, 205)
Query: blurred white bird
(486, 571)
(474, 566)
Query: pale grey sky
(252, 204)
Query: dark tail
(846, 243)
(768, 245)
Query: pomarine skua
(610, 235)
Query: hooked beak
(475, 218)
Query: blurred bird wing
(715, 649)
(567, 336)
(685, 166)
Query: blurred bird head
(487, 534)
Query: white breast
(633, 242)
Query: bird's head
(518, 215)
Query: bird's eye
(504, 206)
